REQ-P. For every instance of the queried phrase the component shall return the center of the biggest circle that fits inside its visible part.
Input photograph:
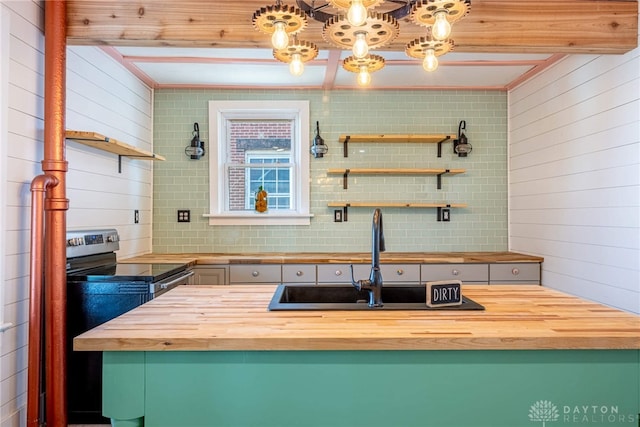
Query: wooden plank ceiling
(499, 26)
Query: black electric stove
(100, 289)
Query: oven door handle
(174, 281)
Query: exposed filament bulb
(360, 47)
(280, 38)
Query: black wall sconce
(318, 148)
(195, 149)
(461, 146)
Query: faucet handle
(359, 284)
(353, 280)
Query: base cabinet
(341, 273)
(304, 274)
(516, 273)
(203, 275)
(480, 274)
(255, 274)
(477, 274)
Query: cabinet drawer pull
(400, 272)
(299, 273)
(338, 272)
(255, 273)
(455, 272)
(515, 271)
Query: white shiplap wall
(102, 97)
(574, 170)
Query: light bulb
(364, 78)
(430, 62)
(280, 38)
(442, 27)
(357, 13)
(296, 67)
(360, 47)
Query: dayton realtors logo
(545, 411)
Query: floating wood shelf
(101, 142)
(440, 206)
(397, 171)
(393, 138)
(395, 205)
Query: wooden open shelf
(395, 205)
(394, 138)
(101, 142)
(442, 208)
(393, 171)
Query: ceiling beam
(536, 26)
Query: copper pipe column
(39, 186)
(56, 205)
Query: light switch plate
(184, 215)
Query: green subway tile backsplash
(180, 183)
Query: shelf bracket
(440, 145)
(439, 178)
(119, 163)
(346, 147)
(344, 212)
(345, 177)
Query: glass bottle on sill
(261, 200)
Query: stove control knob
(112, 238)
(75, 241)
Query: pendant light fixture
(363, 67)
(356, 27)
(428, 49)
(296, 54)
(439, 15)
(280, 21)
(356, 9)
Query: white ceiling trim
(161, 68)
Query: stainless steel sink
(347, 297)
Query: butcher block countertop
(336, 257)
(219, 318)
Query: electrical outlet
(184, 215)
(337, 215)
(444, 214)
(136, 216)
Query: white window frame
(222, 111)
(262, 155)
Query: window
(259, 144)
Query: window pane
(259, 155)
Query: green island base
(469, 388)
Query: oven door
(165, 285)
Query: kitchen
(605, 272)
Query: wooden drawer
(255, 273)
(341, 273)
(299, 273)
(400, 273)
(470, 273)
(515, 273)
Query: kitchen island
(214, 356)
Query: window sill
(254, 218)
